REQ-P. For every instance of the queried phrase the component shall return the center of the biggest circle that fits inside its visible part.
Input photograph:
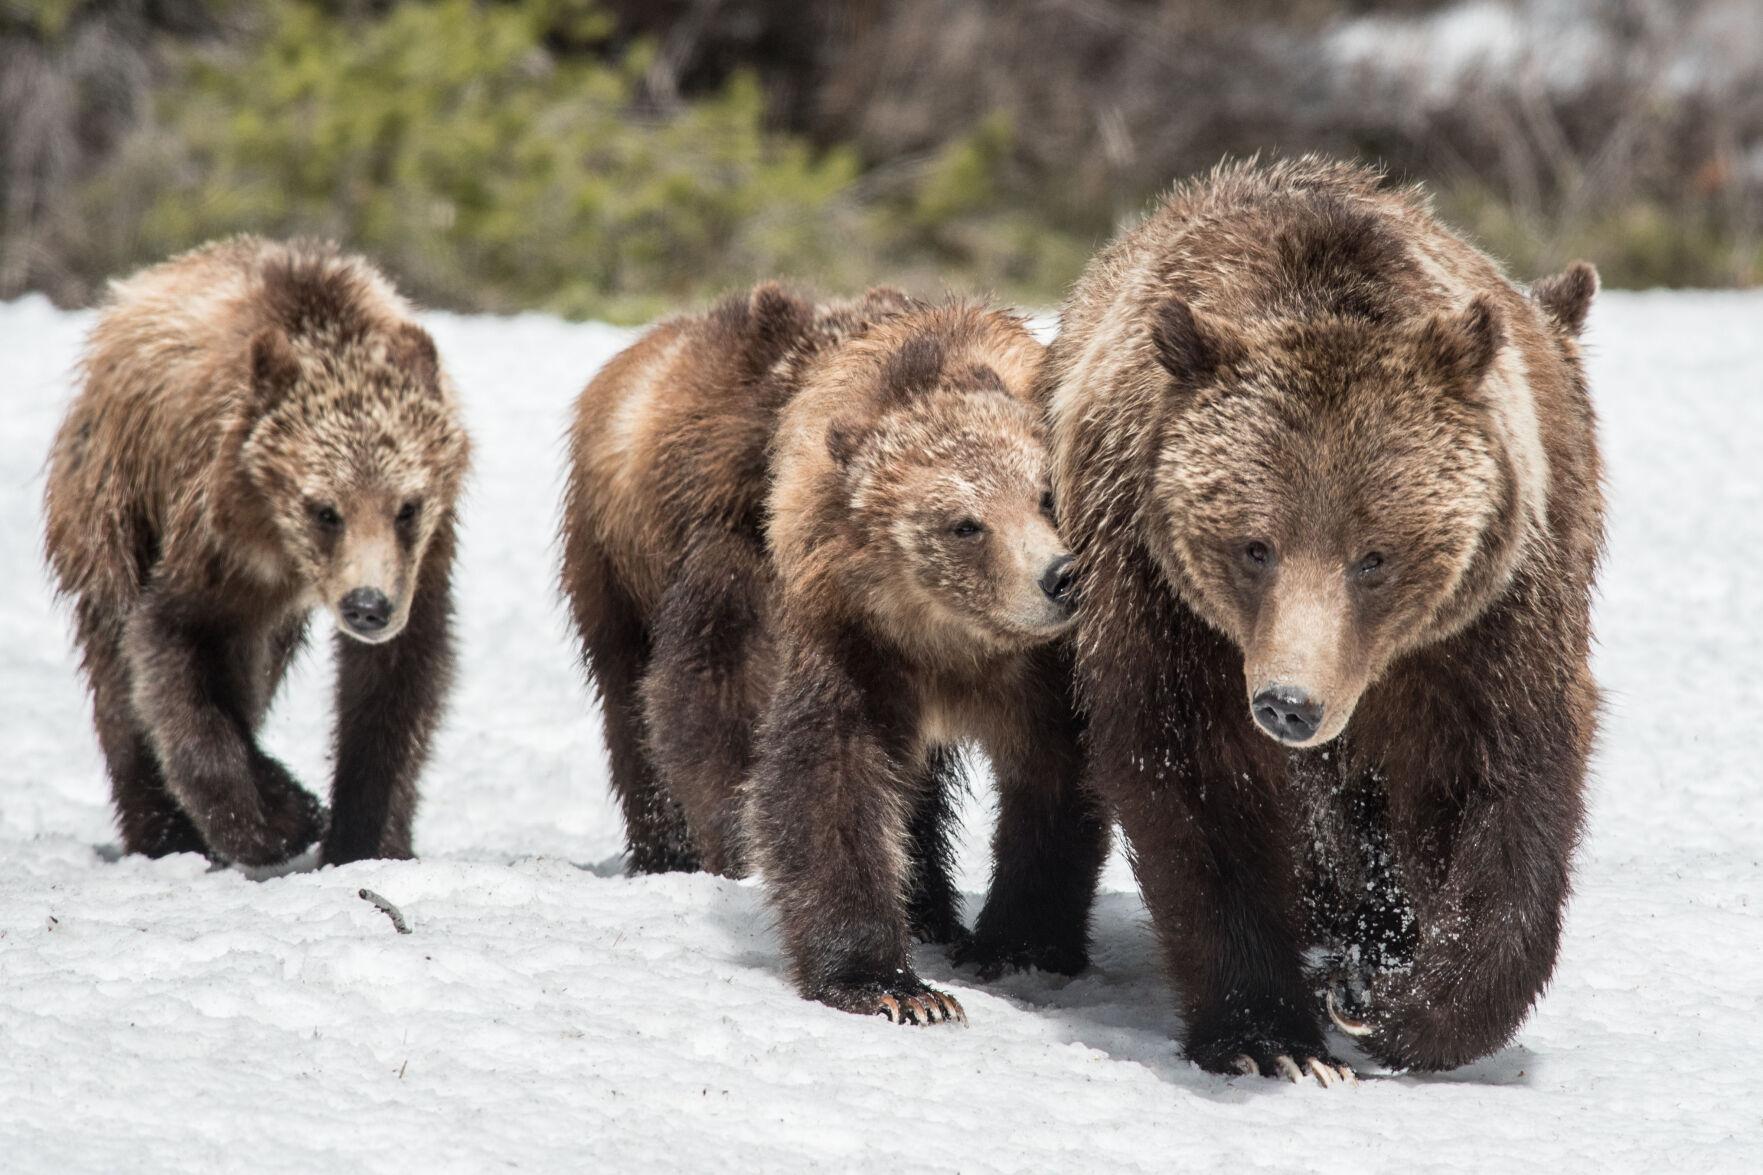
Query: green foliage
(445, 140)
(486, 170)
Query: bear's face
(1321, 495)
(357, 456)
(950, 501)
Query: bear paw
(1295, 1055)
(1325, 1070)
(996, 958)
(912, 1002)
(288, 820)
(927, 1007)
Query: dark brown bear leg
(1488, 867)
(1047, 852)
(196, 680)
(703, 691)
(828, 824)
(1358, 907)
(147, 816)
(389, 702)
(615, 648)
(1216, 880)
(1487, 936)
(933, 907)
(1174, 757)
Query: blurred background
(615, 158)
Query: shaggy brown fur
(1335, 491)
(263, 428)
(663, 541)
(885, 605)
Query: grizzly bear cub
(263, 428)
(1333, 484)
(810, 553)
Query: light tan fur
(263, 428)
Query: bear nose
(1287, 712)
(1059, 581)
(366, 610)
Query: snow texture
(547, 1012)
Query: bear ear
(1567, 297)
(843, 440)
(775, 318)
(412, 351)
(1190, 346)
(883, 301)
(1458, 348)
(275, 369)
(913, 367)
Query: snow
(549, 1013)
(1433, 56)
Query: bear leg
(704, 689)
(615, 647)
(1489, 932)
(147, 816)
(196, 680)
(829, 824)
(933, 907)
(1047, 853)
(389, 701)
(1487, 861)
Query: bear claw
(1328, 1074)
(1344, 1022)
(927, 1007)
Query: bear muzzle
(366, 612)
(1059, 582)
(1288, 713)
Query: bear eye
(1257, 553)
(966, 528)
(1369, 565)
(1047, 503)
(408, 511)
(326, 516)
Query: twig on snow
(387, 908)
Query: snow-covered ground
(549, 1013)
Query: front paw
(996, 955)
(1296, 1057)
(287, 820)
(906, 1001)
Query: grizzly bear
(1334, 491)
(263, 428)
(810, 554)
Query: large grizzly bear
(809, 552)
(263, 428)
(1334, 489)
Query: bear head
(1331, 494)
(914, 487)
(353, 451)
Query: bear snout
(1288, 713)
(366, 611)
(1059, 582)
